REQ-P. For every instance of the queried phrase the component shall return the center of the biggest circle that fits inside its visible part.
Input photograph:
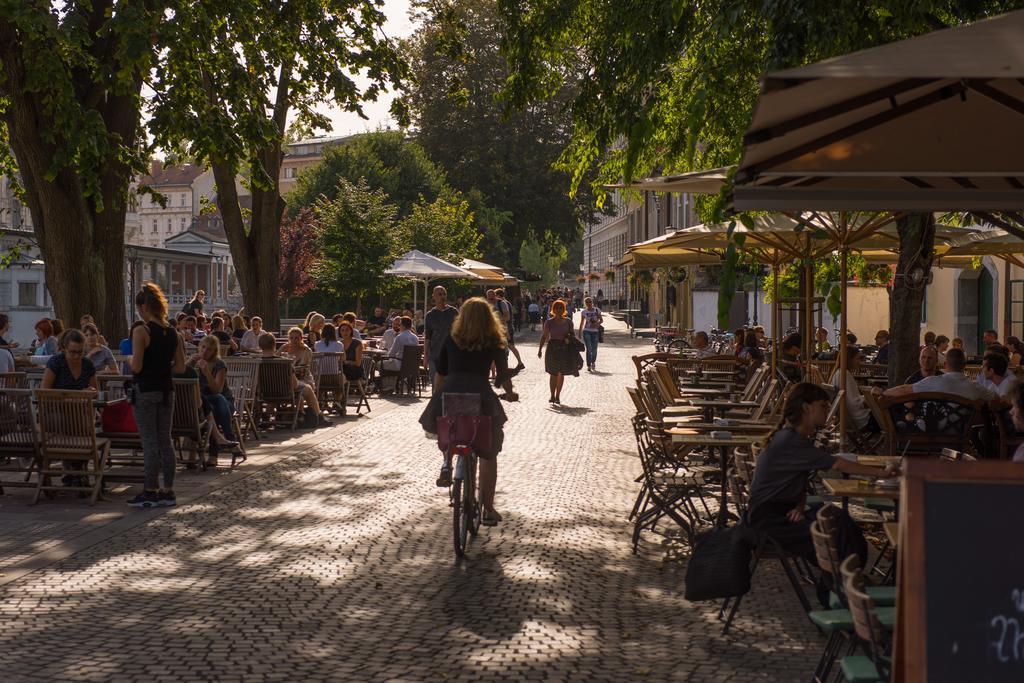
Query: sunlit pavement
(333, 560)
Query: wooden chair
(67, 425)
(408, 375)
(245, 400)
(972, 371)
(1009, 437)
(869, 628)
(275, 390)
(647, 360)
(19, 438)
(113, 385)
(13, 380)
(924, 423)
(238, 382)
(361, 386)
(331, 386)
(188, 421)
(826, 368)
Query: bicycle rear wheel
(457, 516)
(471, 509)
(678, 345)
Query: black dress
(468, 372)
(353, 373)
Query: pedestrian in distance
(560, 360)
(590, 329)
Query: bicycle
(461, 430)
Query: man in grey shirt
(436, 328)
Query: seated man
(191, 332)
(376, 323)
(882, 342)
(928, 364)
(700, 342)
(250, 340)
(860, 417)
(406, 337)
(790, 365)
(952, 381)
(387, 340)
(996, 376)
(268, 349)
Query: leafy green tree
(71, 111)
(443, 227)
(387, 160)
(672, 88)
(234, 74)
(359, 239)
(537, 258)
(459, 119)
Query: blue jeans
(590, 341)
(222, 409)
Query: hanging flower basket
(640, 279)
(593, 277)
(581, 278)
(609, 275)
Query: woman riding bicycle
(477, 341)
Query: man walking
(505, 313)
(436, 328)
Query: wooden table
(724, 446)
(721, 405)
(892, 532)
(858, 488)
(679, 422)
(877, 460)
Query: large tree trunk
(80, 235)
(917, 250)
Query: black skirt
(560, 359)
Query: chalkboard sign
(961, 574)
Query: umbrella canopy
(926, 124)
(698, 182)
(417, 265)
(487, 273)
(650, 254)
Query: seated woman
(329, 341)
(70, 370)
(43, 346)
(317, 323)
(779, 488)
(268, 346)
(301, 355)
(97, 352)
(238, 330)
(218, 403)
(352, 366)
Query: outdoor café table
(721, 405)
(859, 488)
(877, 460)
(724, 447)
(679, 422)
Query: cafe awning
(701, 182)
(926, 124)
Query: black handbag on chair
(720, 564)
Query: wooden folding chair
(67, 425)
(275, 389)
(245, 400)
(188, 421)
(13, 380)
(869, 629)
(331, 385)
(19, 438)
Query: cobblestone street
(335, 563)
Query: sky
(398, 25)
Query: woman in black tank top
(157, 353)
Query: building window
(183, 200)
(155, 226)
(1017, 308)
(28, 293)
(289, 172)
(182, 222)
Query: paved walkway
(333, 561)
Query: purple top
(558, 328)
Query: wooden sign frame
(911, 637)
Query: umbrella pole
(775, 315)
(842, 346)
(808, 301)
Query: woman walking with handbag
(590, 329)
(561, 358)
(157, 352)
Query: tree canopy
(459, 119)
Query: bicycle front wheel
(678, 345)
(471, 509)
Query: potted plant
(640, 280)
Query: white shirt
(328, 347)
(388, 338)
(856, 409)
(1004, 389)
(706, 352)
(250, 340)
(6, 361)
(405, 338)
(954, 383)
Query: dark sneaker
(323, 422)
(166, 499)
(444, 479)
(146, 499)
(490, 518)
